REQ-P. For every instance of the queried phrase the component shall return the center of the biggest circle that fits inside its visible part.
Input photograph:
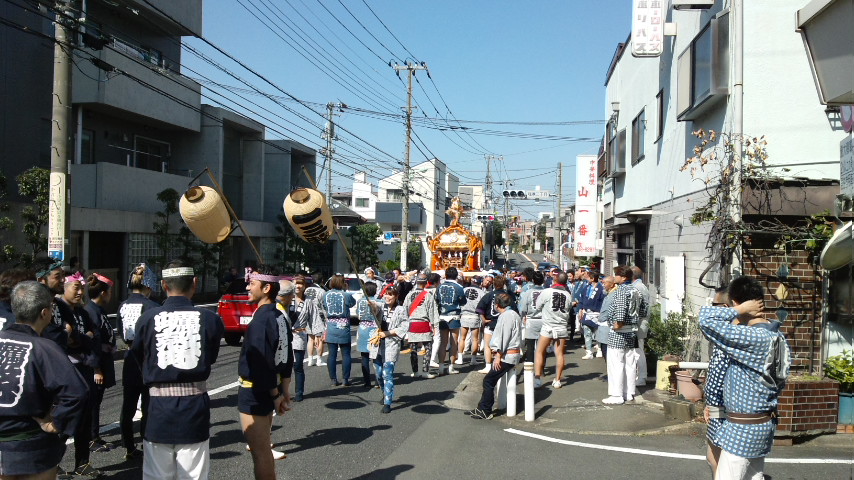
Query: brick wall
(808, 408)
(802, 327)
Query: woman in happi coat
(141, 283)
(100, 291)
(385, 346)
(303, 313)
(337, 304)
(82, 354)
(370, 315)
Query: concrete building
(138, 130)
(364, 198)
(432, 187)
(654, 104)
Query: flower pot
(846, 408)
(662, 374)
(687, 387)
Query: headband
(76, 277)
(250, 275)
(50, 268)
(178, 272)
(103, 279)
(149, 279)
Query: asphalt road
(339, 432)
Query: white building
(364, 199)
(654, 105)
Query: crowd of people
(58, 353)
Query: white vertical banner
(648, 27)
(586, 217)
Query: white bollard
(529, 391)
(511, 392)
(501, 393)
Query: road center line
(654, 453)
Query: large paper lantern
(839, 250)
(308, 213)
(205, 214)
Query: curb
(468, 392)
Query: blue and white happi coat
(750, 383)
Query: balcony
(108, 186)
(148, 91)
(392, 213)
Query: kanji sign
(648, 27)
(586, 218)
(846, 166)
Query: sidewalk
(577, 407)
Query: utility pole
(329, 150)
(60, 132)
(557, 238)
(487, 201)
(404, 237)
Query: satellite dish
(839, 250)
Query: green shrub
(666, 337)
(841, 368)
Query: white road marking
(654, 453)
(113, 426)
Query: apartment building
(656, 104)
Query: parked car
(236, 311)
(544, 266)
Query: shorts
(554, 331)
(254, 401)
(470, 320)
(33, 455)
(449, 322)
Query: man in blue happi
(759, 362)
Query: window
(659, 100)
(638, 127)
(703, 69)
(362, 203)
(87, 147)
(150, 154)
(392, 195)
(617, 154)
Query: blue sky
(489, 61)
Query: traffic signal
(514, 194)
(485, 217)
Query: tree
(164, 240)
(541, 235)
(364, 245)
(33, 184)
(514, 242)
(7, 253)
(413, 254)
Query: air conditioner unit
(693, 4)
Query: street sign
(846, 166)
(537, 193)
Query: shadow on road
(333, 437)
(345, 405)
(383, 473)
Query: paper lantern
(205, 214)
(839, 250)
(308, 213)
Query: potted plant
(841, 368)
(666, 341)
